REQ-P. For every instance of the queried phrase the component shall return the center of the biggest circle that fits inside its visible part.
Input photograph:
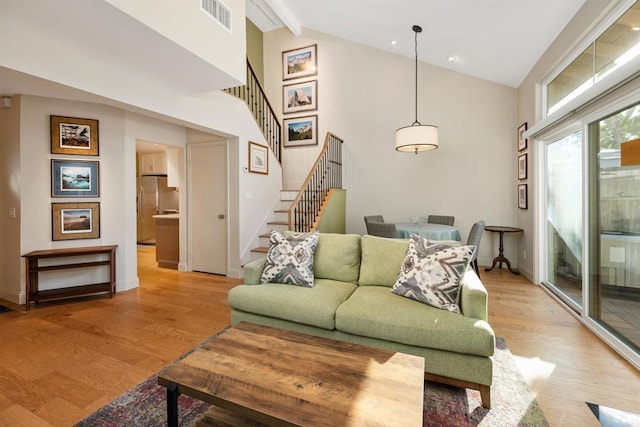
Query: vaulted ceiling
(496, 40)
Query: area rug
(444, 406)
(4, 309)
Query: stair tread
(278, 222)
(261, 249)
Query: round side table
(501, 258)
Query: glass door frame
(589, 228)
(541, 216)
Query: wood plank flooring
(62, 360)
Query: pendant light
(417, 137)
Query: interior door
(208, 207)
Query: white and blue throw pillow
(431, 273)
(290, 259)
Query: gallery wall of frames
(76, 177)
(300, 96)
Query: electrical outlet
(12, 213)
(524, 254)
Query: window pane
(564, 217)
(572, 81)
(619, 43)
(615, 296)
(611, 50)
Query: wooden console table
(33, 269)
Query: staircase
(298, 210)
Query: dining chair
(382, 229)
(441, 219)
(376, 218)
(474, 239)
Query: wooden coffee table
(283, 378)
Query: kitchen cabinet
(173, 158)
(153, 164)
(167, 240)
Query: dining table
(428, 231)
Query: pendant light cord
(416, 30)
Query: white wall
(530, 111)
(365, 94)
(195, 30)
(34, 170)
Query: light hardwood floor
(61, 361)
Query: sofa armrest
(473, 297)
(252, 271)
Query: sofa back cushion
(337, 257)
(381, 260)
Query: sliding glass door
(563, 201)
(602, 162)
(615, 209)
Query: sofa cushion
(310, 306)
(431, 273)
(374, 312)
(337, 257)
(290, 259)
(381, 260)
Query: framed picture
(300, 97)
(522, 141)
(70, 135)
(75, 178)
(301, 131)
(522, 196)
(302, 62)
(71, 221)
(522, 166)
(258, 158)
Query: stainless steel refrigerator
(153, 198)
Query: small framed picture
(70, 135)
(75, 178)
(522, 196)
(297, 63)
(71, 221)
(522, 166)
(258, 158)
(300, 97)
(522, 141)
(301, 131)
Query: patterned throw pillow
(290, 259)
(431, 273)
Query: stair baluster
(325, 174)
(253, 95)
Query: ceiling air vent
(218, 11)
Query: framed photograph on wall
(297, 63)
(75, 178)
(300, 97)
(71, 221)
(522, 196)
(258, 158)
(301, 131)
(522, 141)
(70, 135)
(522, 166)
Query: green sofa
(352, 301)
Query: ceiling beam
(286, 16)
